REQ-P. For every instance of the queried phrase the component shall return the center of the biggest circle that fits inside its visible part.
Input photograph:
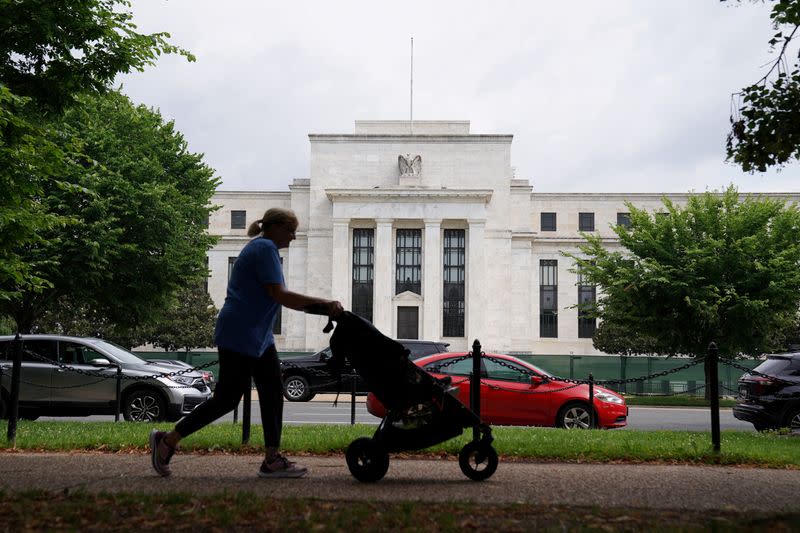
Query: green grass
(769, 449)
(78, 511)
(675, 401)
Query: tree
(51, 52)
(137, 208)
(765, 123)
(722, 268)
(188, 323)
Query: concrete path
(606, 485)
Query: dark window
(408, 255)
(73, 353)
(506, 371)
(453, 291)
(587, 294)
(35, 350)
(231, 262)
(624, 219)
(459, 368)
(363, 266)
(548, 222)
(276, 326)
(408, 322)
(238, 219)
(586, 221)
(548, 298)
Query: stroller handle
(321, 310)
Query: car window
(120, 353)
(73, 353)
(37, 349)
(506, 371)
(773, 367)
(5, 350)
(421, 349)
(459, 368)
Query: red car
(516, 393)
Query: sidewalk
(607, 485)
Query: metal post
(591, 401)
(119, 394)
(712, 381)
(475, 385)
(13, 407)
(248, 397)
(353, 379)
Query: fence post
(591, 401)
(118, 393)
(247, 403)
(475, 385)
(13, 404)
(353, 379)
(712, 381)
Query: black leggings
(235, 371)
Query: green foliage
(765, 127)
(188, 323)
(721, 269)
(137, 206)
(54, 50)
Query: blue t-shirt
(245, 322)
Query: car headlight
(607, 397)
(182, 380)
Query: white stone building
(449, 245)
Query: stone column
(432, 281)
(476, 283)
(340, 262)
(383, 282)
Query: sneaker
(160, 452)
(280, 466)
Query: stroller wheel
(478, 460)
(366, 460)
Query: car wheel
(144, 406)
(478, 460)
(574, 415)
(793, 420)
(297, 389)
(367, 461)
(24, 414)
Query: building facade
(424, 229)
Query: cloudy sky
(614, 96)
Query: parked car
(768, 403)
(52, 390)
(304, 377)
(517, 393)
(208, 376)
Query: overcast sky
(614, 96)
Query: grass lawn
(768, 449)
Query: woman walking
(246, 346)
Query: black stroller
(420, 410)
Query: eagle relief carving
(409, 166)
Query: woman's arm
(297, 301)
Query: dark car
(304, 377)
(771, 403)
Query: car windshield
(773, 366)
(119, 353)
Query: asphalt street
(604, 485)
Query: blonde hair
(274, 215)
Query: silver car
(76, 376)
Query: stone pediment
(408, 297)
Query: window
(408, 322)
(548, 298)
(38, 351)
(506, 371)
(453, 292)
(73, 353)
(459, 368)
(363, 266)
(548, 222)
(587, 295)
(624, 219)
(586, 221)
(231, 262)
(408, 259)
(238, 219)
(276, 326)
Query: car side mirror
(537, 380)
(100, 362)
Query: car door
(511, 398)
(36, 376)
(75, 389)
(459, 372)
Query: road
(322, 411)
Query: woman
(243, 335)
